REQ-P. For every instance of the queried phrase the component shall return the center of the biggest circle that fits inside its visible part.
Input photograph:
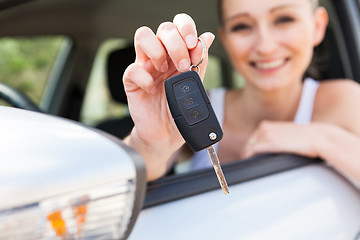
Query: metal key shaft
(219, 173)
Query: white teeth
(270, 65)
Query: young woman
(271, 44)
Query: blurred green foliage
(25, 63)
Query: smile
(269, 65)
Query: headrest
(117, 62)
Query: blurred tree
(25, 63)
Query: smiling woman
(269, 43)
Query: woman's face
(271, 42)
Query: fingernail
(213, 37)
(183, 65)
(191, 41)
(164, 67)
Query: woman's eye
(240, 27)
(284, 19)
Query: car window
(26, 63)
(214, 75)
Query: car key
(194, 116)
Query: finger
(136, 77)
(187, 29)
(257, 145)
(174, 45)
(197, 52)
(148, 46)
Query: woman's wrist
(328, 134)
(156, 154)
(339, 148)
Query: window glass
(237, 80)
(26, 62)
(213, 76)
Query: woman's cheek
(239, 48)
(296, 38)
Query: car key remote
(192, 111)
(194, 116)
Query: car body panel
(303, 203)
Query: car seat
(117, 62)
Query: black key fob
(192, 110)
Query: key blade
(219, 173)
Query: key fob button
(184, 87)
(195, 115)
(190, 100)
(193, 107)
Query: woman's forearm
(341, 149)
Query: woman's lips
(269, 65)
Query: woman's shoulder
(338, 82)
(337, 99)
(339, 89)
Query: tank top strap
(306, 105)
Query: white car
(65, 174)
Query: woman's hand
(159, 56)
(283, 137)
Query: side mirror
(62, 180)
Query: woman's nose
(265, 43)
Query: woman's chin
(268, 85)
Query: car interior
(117, 62)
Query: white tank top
(217, 96)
